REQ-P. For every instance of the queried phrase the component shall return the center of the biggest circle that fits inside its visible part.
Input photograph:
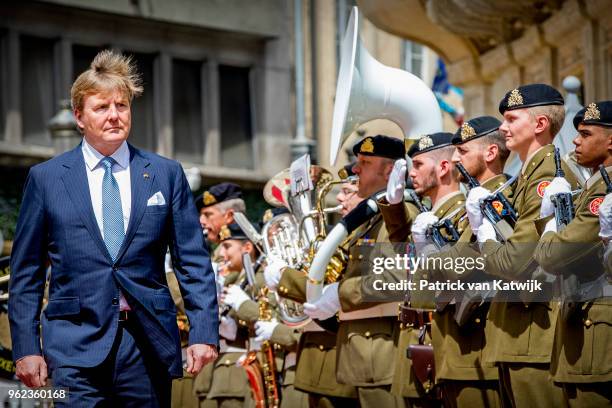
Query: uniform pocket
(598, 326)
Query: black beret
(427, 143)
(381, 146)
(232, 231)
(598, 113)
(218, 193)
(475, 128)
(346, 171)
(530, 95)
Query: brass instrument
(271, 386)
(338, 261)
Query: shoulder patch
(499, 207)
(541, 187)
(594, 205)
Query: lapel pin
(145, 175)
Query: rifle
(503, 221)
(606, 178)
(434, 232)
(564, 206)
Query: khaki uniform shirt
(519, 332)
(582, 348)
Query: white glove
(234, 297)
(486, 232)
(397, 182)
(273, 272)
(605, 218)
(556, 186)
(327, 306)
(551, 226)
(421, 224)
(228, 328)
(264, 330)
(472, 206)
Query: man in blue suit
(103, 214)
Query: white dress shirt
(95, 174)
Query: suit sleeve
(27, 282)
(191, 260)
(292, 285)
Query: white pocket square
(156, 199)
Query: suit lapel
(141, 181)
(76, 184)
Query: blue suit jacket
(79, 324)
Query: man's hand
(198, 355)
(397, 182)
(32, 371)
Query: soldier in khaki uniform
(582, 361)
(433, 176)
(466, 380)
(229, 386)
(217, 206)
(520, 334)
(367, 335)
(315, 372)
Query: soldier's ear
(491, 153)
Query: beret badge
(592, 112)
(467, 131)
(209, 198)
(425, 142)
(367, 146)
(515, 98)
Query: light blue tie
(112, 213)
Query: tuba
(366, 90)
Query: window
(187, 110)
(38, 102)
(82, 56)
(143, 134)
(412, 58)
(236, 123)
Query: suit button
(588, 322)
(228, 362)
(321, 347)
(477, 320)
(115, 301)
(368, 334)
